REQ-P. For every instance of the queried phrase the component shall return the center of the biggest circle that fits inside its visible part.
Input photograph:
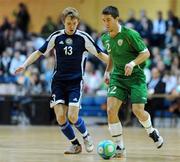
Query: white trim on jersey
(88, 42)
(145, 50)
(84, 57)
(51, 41)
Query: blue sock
(67, 131)
(80, 125)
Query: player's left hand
(129, 68)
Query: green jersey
(123, 48)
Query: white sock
(85, 134)
(147, 125)
(116, 133)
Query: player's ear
(117, 18)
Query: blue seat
(99, 100)
(87, 100)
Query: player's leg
(145, 119)
(139, 98)
(60, 112)
(75, 93)
(115, 127)
(81, 127)
(58, 102)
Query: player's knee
(72, 118)
(111, 112)
(61, 119)
(137, 110)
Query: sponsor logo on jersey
(120, 42)
(61, 42)
(69, 41)
(75, 99)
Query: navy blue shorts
(66, 92)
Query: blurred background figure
(155, 86)
(48, 28)
(22, 18)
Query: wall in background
(90, 11)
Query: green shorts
(123, 86)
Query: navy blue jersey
(70, 53)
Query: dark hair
(111, 10)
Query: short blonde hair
(70, 11)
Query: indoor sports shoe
(88, 143)
(74, 149)
(158, 140)
(120, 152)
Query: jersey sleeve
(91, 46)
(137, 42)
(48, 45)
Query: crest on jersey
(69, 41)
(120, 42)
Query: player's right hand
(107, 77)
(20, 69)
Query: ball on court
(106, 149)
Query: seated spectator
(171, 82)
(47, 68)
(34, 85)
(17, 60)
(92, 79)
(175, 106)
(155, 86)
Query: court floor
(46, 144)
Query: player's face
(70, 24)
(109, 22)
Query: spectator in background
(92, 79)
(6, 24)
(145, 25)
(171, 82)
(172, 20)
(48, 28)
(17, 60)
(34, 84)
(132, 21)
(159, 29)
(175, 67)
(22, 18)
(175, 107)
(5, 61)
(155, 86)
(47, 69)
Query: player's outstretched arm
(103, 57)
(32, 58)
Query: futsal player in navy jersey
(70, 49)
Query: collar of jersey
(68, 34)
(119, 28)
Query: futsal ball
(106, 149)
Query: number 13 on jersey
(68, 50)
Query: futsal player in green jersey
(124, 75)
